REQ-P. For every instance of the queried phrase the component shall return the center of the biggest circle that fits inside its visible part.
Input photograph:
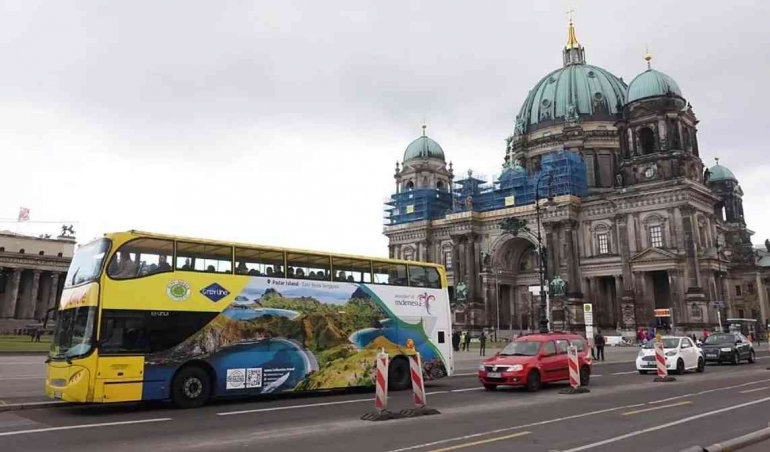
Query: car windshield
(667, 343)
(521, 348)
(87, 263)
(74, 332)
(720, 339)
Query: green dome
(720, 173)
(595, 92)
(652, 83)
(423, 147)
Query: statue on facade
(67, 231)
(572, 117)
(706, 176)
(461, 292)
(519, 125)
(469, 202)
(767, 245)
(619, 179)
(558, 286)
(486, 259)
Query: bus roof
(137, 233)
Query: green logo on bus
(178, 290)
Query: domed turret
(719, 173)
(423, 147)
(651, 83)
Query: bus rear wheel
(191, 387)
(399, 377)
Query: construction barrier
(574, 373)
(660, 360)
(381, 393)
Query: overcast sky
(281, 122)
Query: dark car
(728, 347)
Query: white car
(681, 355)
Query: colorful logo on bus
(215, 292)
(426, 299)
(178, 290)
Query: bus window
(351, 270)
(391, 274)
(141, 257)
(308, 266)
(434, 280)
(197, 257)
(417, 276)
(253, 262)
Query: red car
(535, 359)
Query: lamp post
(541, 251)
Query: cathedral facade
(611, 183)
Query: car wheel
(752, 357)
(701, 365)
(191, 387)
(490, 387)
(680, 367)
(585, 376)
(736, 359)
(643, 372)
(398, 375)
(533, 381)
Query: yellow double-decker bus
(155, 317)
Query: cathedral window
(590, 170)
(647, 140)
(440, 185)
(656, 236)
(408, 254)
(410, 185)
(448, 259)
(603, 241)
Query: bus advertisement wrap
(276, 335)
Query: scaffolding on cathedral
(514, 187)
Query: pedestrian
(482, 344)
(599, 341)
(467, 341)
(462, 340)
(456, 341)
(705, 334)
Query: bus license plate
(57, 394)
(494, 375)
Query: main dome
(594, 92)
(423, 147)
(577, 90)
(720, 173)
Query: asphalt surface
(624, 411)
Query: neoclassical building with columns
(631, 218)
(32, 272)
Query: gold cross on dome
(569, 13)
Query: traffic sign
(663, 313)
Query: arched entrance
(512, 268)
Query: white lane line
(624, 373)
(75, 427)
(508, 429)
(22, 377)
(667, 425)
(294, 407)
(466, 389)
(594, 376)
(436, 392)
(755, 390)
(465, 374)
(709, 391)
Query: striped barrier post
(381, 395)
(574, 373)
(418, 384)
(660, 360)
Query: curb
(21, 352)
(32, 406)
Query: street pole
(497, 302)
(543, 259)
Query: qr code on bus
(254, 377)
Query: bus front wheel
(398, 375)
(191, 387)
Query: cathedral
(608, 178)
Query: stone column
(551, 256)
(53, 300)
(573, 283)
(45, 294)
(29, 303)
(11, 294)
(391, 251)
(470, 267)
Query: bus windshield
(74, 332)
(87, 263)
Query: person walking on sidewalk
(462, 340)
(482, 344)
(467, 343)
(599, 342)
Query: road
(623, 411)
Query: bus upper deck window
(198, 257)
(391, 274)
(351, 270)
(253, 262)
(141, 257)
(308, 266)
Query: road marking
(709, 391)
(465, 374)
(667, 425)
(508, 429)
(294, 407)
(436, 392)
(594, 376)
(466, 389)
(75, 427)
(755, 390)
(22, 377)
(483, 441)
(659, 407)
(624, 373)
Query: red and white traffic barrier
(381, 396)
(574, 368)
(660, 359)
(418, 384)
